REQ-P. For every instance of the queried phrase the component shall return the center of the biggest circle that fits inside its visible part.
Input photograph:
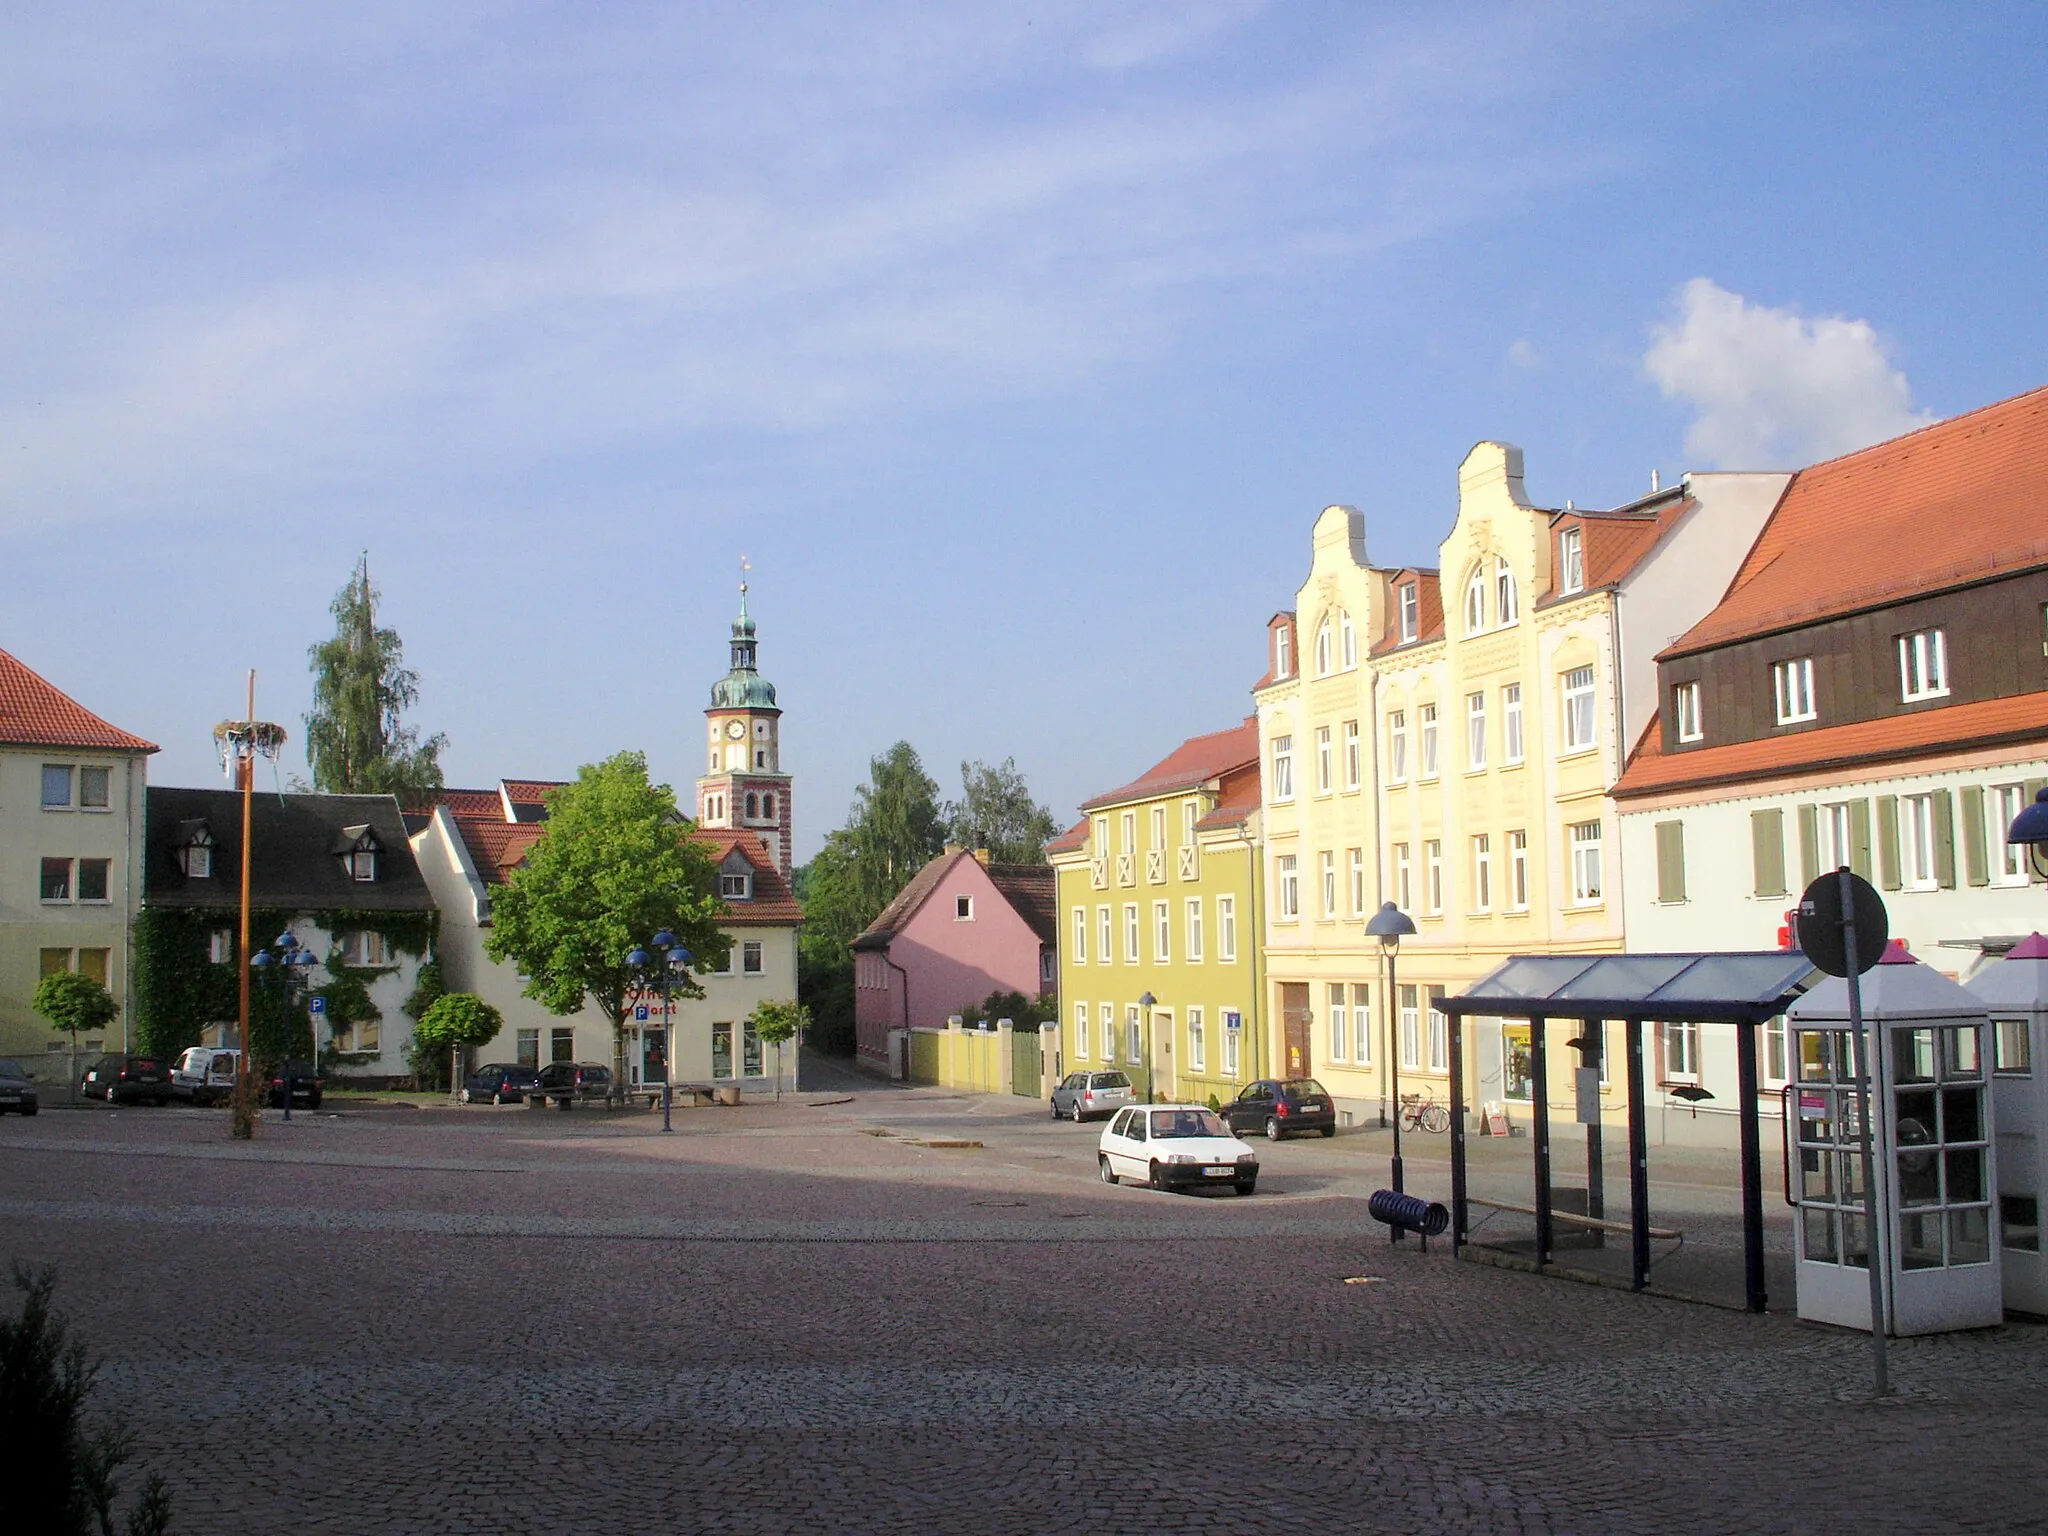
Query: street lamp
(674, 961)
(289, 963)
(2031, 826)
(1146, 1001)
(1390, 925)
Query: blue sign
(317, 1004)
(1232, 1020)
(640, 1013)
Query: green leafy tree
(457, 1023)
(75, 1004)
(613, 867)
(778, 1023)
(356, 740)
(995, 811)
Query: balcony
(1191, 862)
(1155, 866)
(1098, 874)
(1125, 871)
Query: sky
(1015, 347)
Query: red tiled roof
(1896, 738)
(35, 714)
(497, 847)
(1939, 507)
(1279, 621)
(1030, 890)
(1612, 544)
(1429, 604)
(1195, 761)
(469, 802)
(1239, 798)
(890, 920)
(1073, 839)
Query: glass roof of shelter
(1751, 987)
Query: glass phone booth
(2015, 992)
(1933, 1148)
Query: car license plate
(1221, 1173)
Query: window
(1923, 665)
(1397, 746)
(1340, 1022)
(94, 785)
(196, 860)
(963, 909)
(362, 864)
(2008, 861)
(1283, 659)
(1080, 935)
(1162, 933)
(760, 761)
(1511, 724)
(1439, 1033)
(1403, 897)
(1433, 876)
(1322, 759)
(1685, 710)
(362, 946)
(1571, 562)
(750, 1051)
(1578, 709)
(1518, 871)
(1347, 641)
(1475, 731)
(1195, 929)
(56, 786)
(1411, 1027)
(1919, 838)
(1792, 683)
(1226, 928)
(56, 880)
(1681, 1053)
(2012, 1051)
(1482, 873)
(220, 946)
(1130, 832)
(1356, 858)
(768, 806)
(1351, 754)
(753, 805)
(1190, 813)
(1104, 950)
(529, 1047)
(1323, 649)
(562, 1047)
(1426, 721)
(1106, 1017)
(1833, 839)
(750, 958)
(1505, 607)
(1130, 933)
(1475, 602)
(1231, 1031)
(1327, 865)
(1283, 767)
(1158, 826)
(1773, 1058)
(1197, 1048)
(1411, 611)
(1290, 889)
(1134, 1039)
(1670, 862)
(1361, 1023)
(1101, 848)
(1081, 1031)
(733, 886)
(51, 961)
(1586, 882)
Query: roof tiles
(1195, 761)
(33, 713)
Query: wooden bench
(1573, 1218)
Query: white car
(205, 1075)
(1175, 1146)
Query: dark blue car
(500, 1084)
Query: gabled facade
(1158, 894)
(71, 823)
(961, 929)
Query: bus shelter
(1743, 989)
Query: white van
(205, 1074)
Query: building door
(1294, 1025)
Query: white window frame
(1571, 559)
(1792, 690)
(1080, 935)
(1518, 871)
(1347, 641)
(1323, 667)
(1425, 724)
(1105, 1016)
(1198, 1059)
(1589, 882)
(1923, 665)
(1324, 781)
(1105, 931)
(1411, 1027)
(2007, 861)
(105, 804)
(1678, 1052)
(1916, 841)
(1773, 1061)
(963, 909)
(1577, 696)
(1130, 834)
(1226, 929)
(1475, 602)
(1283, 768)
(1439, 1032)
(1507, 608)
(1433, 876)
(1162, 933)
(1326, 862)
(1338, 1022)
(1831, 835)
(1403, 878)
(70, 772)
(1194, 922)
(1397, 746)
(1482, 872)
(1361, 1023)
(1287, 884)
(1159, 827)
(1080, 1031)
(1351, 755)
(1511, 725)
(1283, 653)
(1131, 935)
(1411, 610)
(1685, 711)
(1356, 863)
(1134, 1034)
(1475, 731)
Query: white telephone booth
(1934, 1153)
(2015, 992)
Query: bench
(1573, 1218)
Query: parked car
(1084, 1095)
(499, 1084)
(1175, 1146)
(205, 1074)
(1282, 1107)
(120, 1078)
(17, 1088)
(566, 1083)
(305, 1085)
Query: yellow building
(1158, 894)
(1500, 694)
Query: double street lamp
(659, 969)
(289, 964)
(1390, 925)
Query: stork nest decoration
(235, 738)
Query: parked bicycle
(1421, 1112)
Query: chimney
(981, 854)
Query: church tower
(746, 787)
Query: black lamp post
(1146, 1001)
(661, 972)
(1389, 925)
(290, 963)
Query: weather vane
(745, 566)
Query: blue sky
(1016, 346)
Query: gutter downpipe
(1257, 869)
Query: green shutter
(1944, 805)
(1888, 842)
(1767, 851)
(1809, 845)
(1671, 861)
(1973, 835)
(1859, 837)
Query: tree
(356, 742)
(778, 1023)
(614, 866)
(455, 1023)
(996, 812)
(74, 1002)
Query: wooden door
(1294, 1029)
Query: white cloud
(1772, 388)
(1522, 356)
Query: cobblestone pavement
(779, 1319)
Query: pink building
(961, 929)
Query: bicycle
(1424, 1114)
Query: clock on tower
(744, 785)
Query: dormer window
(1283, 657)
(1571, 562)
(736, 877)
(358, 849)
(1411, 612)
(362, 864)
(195, 850)
(733, 887)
